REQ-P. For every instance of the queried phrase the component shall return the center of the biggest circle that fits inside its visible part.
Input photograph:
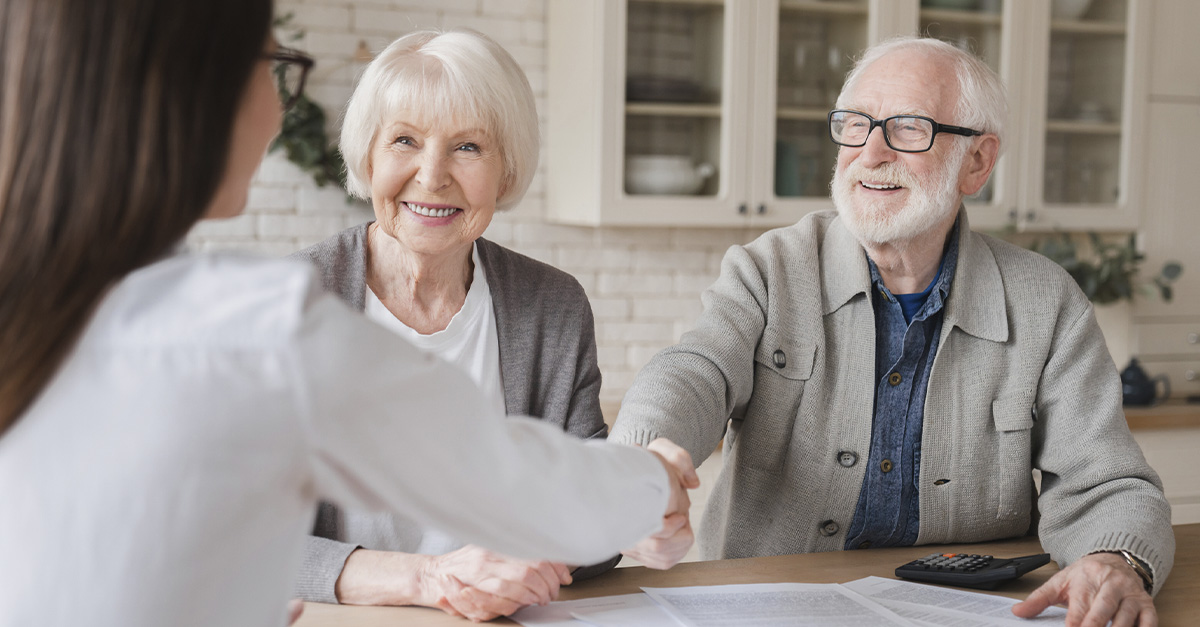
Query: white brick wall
(644, 283)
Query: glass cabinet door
(978, 27)
(817, 41)
(673, 93)
(1085, 87)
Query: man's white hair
(458, 75)
(982, 99)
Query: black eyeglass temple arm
(958, 130)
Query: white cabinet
(745, 87)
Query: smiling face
(434, 185)
(889, 196)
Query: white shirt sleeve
(394, 429)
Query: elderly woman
(441, 133)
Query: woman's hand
(1097, 588)
(481, 585)
(664, 549)
(470, 582)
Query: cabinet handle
(743, 209)
(1030, 215)
(1193, 338)
(1012, 215)
(762, 208)
(1190, 375)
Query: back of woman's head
(115, 120)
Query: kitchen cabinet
(744, 88)
(1172, 453)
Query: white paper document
(626, 610)
(935, 605)
(773, 605)
(871, 601)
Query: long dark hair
(115, 124)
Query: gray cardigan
(547, 367)
(782, 363)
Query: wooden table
(1172, 414)
(1178, 603)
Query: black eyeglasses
(903, 133)
(291, 70)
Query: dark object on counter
(1138, 388)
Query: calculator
(970, 571)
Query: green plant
(305, 143)
(302, 135)
(1109, 271)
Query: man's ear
(978, 164)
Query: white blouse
(169, 473)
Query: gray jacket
(782, 363)
(547, 367)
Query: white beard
(929, 202)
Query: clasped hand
(665, 548)
(480, 585)
(1097, 588)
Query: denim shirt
(888, 512)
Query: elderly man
(884, 376)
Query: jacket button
(895, 378)
(847, 459)
(829, 528)
(865, 544)
(780, 359)
(885, 465)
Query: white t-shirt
(169, 473)
(470, 342)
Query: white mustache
(891, 173)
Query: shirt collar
(978, 307)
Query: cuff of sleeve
(323, 562)
(1139, 548)
(587, 572)
(639, 436)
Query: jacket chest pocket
(1013, 418)
(782, 367)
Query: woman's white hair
(982, 98)
(460, 75)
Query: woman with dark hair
(168, 421)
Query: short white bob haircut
(460, 75)
(982, 98)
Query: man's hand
(481, 585)
(1097, 588)
(664, 549)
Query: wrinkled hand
(481, 585)
(665, 548)
(1097, 588)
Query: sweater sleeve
(1098, 493)
(320, 568)
(688, 392)
(511, 485)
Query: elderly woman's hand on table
(471, 582)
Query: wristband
(1138, 567)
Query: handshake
(665, 548)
